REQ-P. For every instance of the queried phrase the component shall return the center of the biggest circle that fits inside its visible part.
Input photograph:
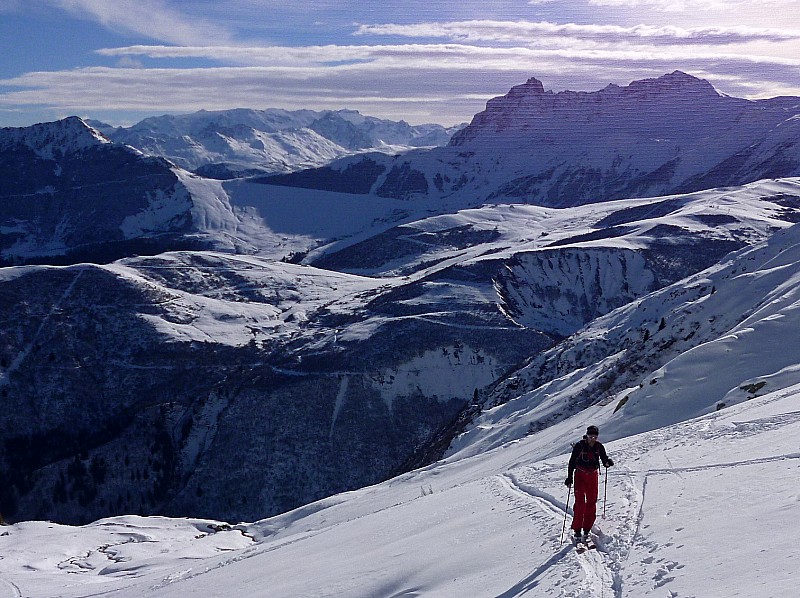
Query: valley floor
(702, 508)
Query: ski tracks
(601, 567)
(12, 588)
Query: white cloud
(690, 5)
(442, 56)
(445, 83)
(128, 62)
(155, 19)
(533, 32)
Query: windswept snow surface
(701, 502)
(701, 508)
(714, 339)
(267, 299)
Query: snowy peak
(528, 107)
(674, 83)
(85, 197)
(272, 140)
(48, 140)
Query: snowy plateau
(364, 379)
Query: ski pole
(566, 509)
(605, 493)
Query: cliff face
(672, 134)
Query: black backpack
(589, 457)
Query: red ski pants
(586, 485)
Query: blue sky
(417, 60)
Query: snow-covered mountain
(48, 140)
(158, 370)
(230, 143)
(690, 476)
(666, 135)
(68, 194)
(333, 337)
(673, 134)
(712, 340)
(332, 378)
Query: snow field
(701, 508)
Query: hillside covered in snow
(233, 143)
(362, 362)
(688, 478)
(671, 134)
(364, 378)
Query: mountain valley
(180, 345)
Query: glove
(609, 463)
(568, 482)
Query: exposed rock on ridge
(671, 134)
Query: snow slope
(717, 338)
(692, 510)
(552, 265)
(701, 500)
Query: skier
(585, 461)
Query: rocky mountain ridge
(231, 143)
(672, 134)
(47, 140)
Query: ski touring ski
(582, 546)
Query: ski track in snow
(628, 534)
(605, 568)
(12, 588)
(597, 565)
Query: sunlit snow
(700, 502)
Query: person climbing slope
(584, 463)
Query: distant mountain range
(673, 134)
(229, 143)
(232, 349)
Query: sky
(417, 60)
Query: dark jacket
(588, 458)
